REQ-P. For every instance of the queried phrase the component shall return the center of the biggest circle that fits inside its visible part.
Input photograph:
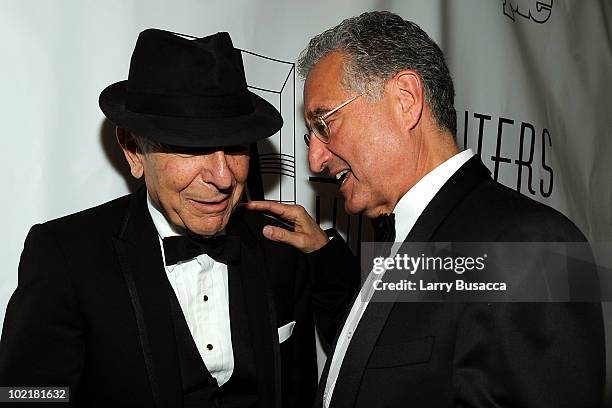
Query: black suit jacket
(91, 310)
(447, 355)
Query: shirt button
(209, 347)
(349, 334)
(205, 298)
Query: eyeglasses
(319, 127)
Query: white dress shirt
(407, 211)
(201, 288)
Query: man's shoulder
(84, 236)
(104, 217)
(513, 212)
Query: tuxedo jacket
(448, 355)
(92, 311)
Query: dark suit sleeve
(335, 280)
(537, 355)
(42, 338)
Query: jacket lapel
(140, 260)
(471, 174)
(466, 179)
(261, 315)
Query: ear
(410, 96)
(132, 153)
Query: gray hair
(379, 44)
(146, 145)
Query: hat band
(190, 106)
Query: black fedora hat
(189, 93)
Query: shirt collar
(166, 229)
(410, 207)
(162, 225)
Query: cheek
(375, 156)
(166, 168)
(239, 166)
(169, 177)
(367, 148)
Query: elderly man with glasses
(378, 101)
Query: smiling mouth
(210, 206)
(342, 176)
(210, 201)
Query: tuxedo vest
(200, 388)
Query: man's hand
(307, 236)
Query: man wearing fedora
(171, 296)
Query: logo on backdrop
(530, 161)
(537, 11)
(272, 167)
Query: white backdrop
(536, 71)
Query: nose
(318, 155)
(216, 171)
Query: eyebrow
(318, 112)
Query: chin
(211, 227)
(352, 208)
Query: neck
(438, 148)
(429, 150)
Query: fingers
(306, 236)
(286, 211)
(282, 235)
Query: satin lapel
(318, 402)
(261, 313)
(471, 174)
(140, 260)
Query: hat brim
(264, 121)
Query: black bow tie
(384, 228)
(222, 248)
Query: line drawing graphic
(274, 80)
(535, 10)
(272, 175)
